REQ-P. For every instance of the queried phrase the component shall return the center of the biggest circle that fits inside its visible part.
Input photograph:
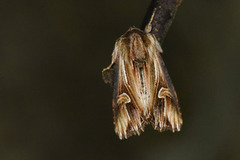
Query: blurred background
(55, 105)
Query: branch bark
(164, 15)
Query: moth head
(136, 41)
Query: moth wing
(166, 111)
(127, 113)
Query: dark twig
(164, 15)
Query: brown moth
(142, 89)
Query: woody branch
(164, 15)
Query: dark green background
(54, 104)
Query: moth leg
(128, 118)
(108, 73)
(167, 115)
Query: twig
(164, 15)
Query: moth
(142, 89)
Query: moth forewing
(143, 91)
(171, 111)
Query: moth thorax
(138, 51)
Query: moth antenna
(148, 27)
